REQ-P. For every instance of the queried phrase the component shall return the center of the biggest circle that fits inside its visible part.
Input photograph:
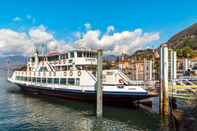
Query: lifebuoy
(79, 73)
(71, 73)
(121, 81)
(65, 73)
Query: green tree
(187, 52)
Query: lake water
(20, 111)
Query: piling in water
(99, 104)
(164, 100)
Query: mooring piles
(173, 69)
(99, 92)
(164, 99)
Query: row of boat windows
(66, 56)
(63, 81)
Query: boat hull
(108, 97)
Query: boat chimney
(36, 57)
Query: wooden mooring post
(99, 92)
(164, 99)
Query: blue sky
(64, 17)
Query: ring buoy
(79, 73)
(65, 73)
(71, 73)
(121, 81)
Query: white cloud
(13, 42)
(118, 42)
(16, 19)
(39, 35)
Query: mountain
(184, 42)
(185, 38)
(14, 61)
(110, 58)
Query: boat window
(66, 55)
(70, 61)
(21, 78)
(33, 79)
(85, 54)
(72, 54)
(25, 78)
(94, 55)
(53, 58)
(17, 77)
(62, 57)
(56, 80)
(109, 73)
(44, 80)
(38, 79)
(43, 69)
(28, 78)
(49, 80)
(79, 54)
(88, 54)
(77, 81)
(71, 81)
(33, 59)
(63, 81)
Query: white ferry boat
(73, 75)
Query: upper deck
(74, 57)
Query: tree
(187, 52)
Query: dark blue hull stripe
(87, 95)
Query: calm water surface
(20, 111)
